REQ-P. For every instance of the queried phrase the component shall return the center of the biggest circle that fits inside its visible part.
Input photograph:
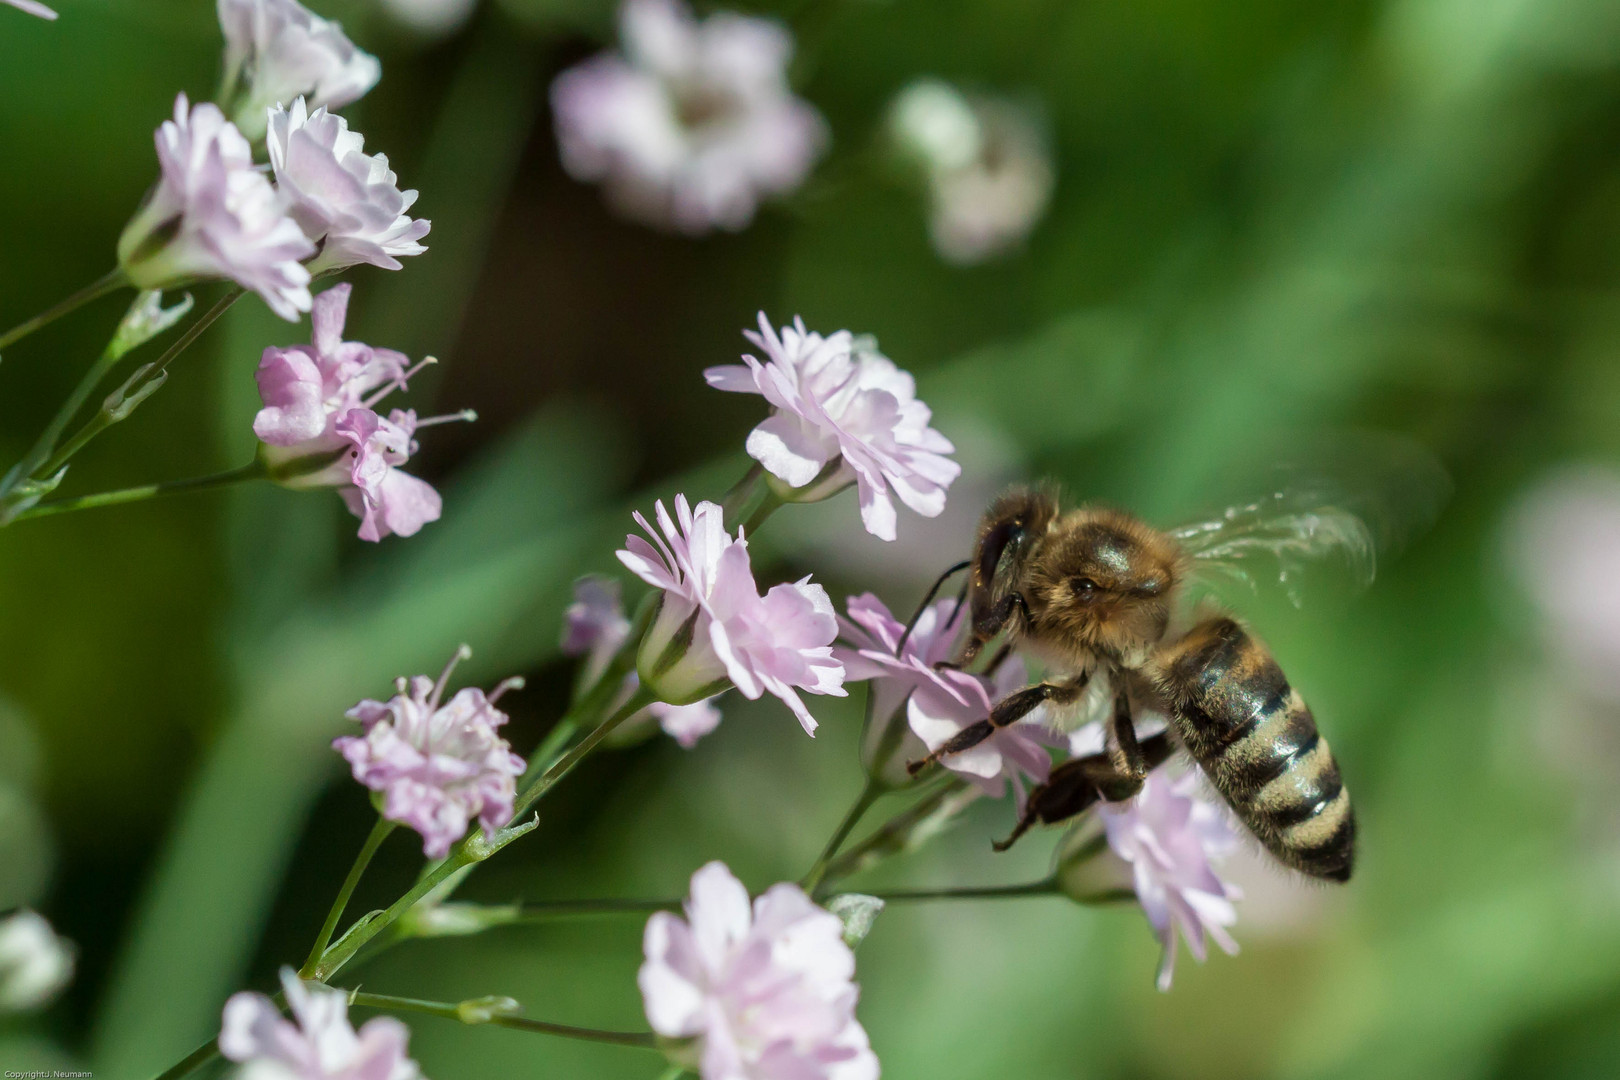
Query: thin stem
(645, 1040)
(251, 471)
(343, 951)
(565, 765)
(742, 495)
(542, 910)
(195, 330)
(674, 1072)
(93, 291)
(379, 833)
(869, 795)
(1045, 887)
(199, 1057)
(891, 834)
(769, 505)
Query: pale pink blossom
(778, 643)
(317, 1043)
(33, 7)
(954, 700)
(1172, 839)
(439, 767)
(595, 627)
(320, 430)
(766, 991)
(278, 50)
(842, 412)
(694, 123)
(347, 202)
(214, 215)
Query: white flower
(986, 163)
(839, 402)
(278, 50)
(33, 7)
(35, 964)
(345, 200)
(694, 124)
(318, 1043)
(767, 992)
(213, 215)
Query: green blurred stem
(1044, 887)
(869, 795)
(646, 1040)
(565, 765)
(674, 1072)
(890, 833)
(379, 833)
(254, 470)
(744, 494)
(112, 282)
(199, 1057)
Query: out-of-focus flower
(1166, 842)
(694, 123)
(33, 7)
(1563, 543)
(278, 50)
(319, 428)
(432, 17)
(955, 700)
(347, 202)
(214, 215)
(713, 625)
(438, 766)
(767, 992)
(595, 627)
(841, 412)
(986, 164)
(317, 1043)
(35, 964)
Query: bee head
(1105, 579)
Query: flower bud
(677, 662)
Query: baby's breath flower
(713, 625)
(347, 201)
(693, 123)
(438, 766)
(317, 1043)
(33, 7)
(842, 412)
(214, 215)
(35, 964)
(766, 991)
(278, 50)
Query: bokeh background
(1273, 223)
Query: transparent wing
(1363, 499)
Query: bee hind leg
(1009, 710)
(1076, 785)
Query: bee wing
(1362, 501)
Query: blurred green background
(1273, 222)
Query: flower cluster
(714, 626)
(595, 628)
(693, 123)
(318, 1043)
(319, 426)
(438, 766)
(765, 991)
(842, 413)
(214, 214)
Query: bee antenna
(900, 646)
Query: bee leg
(1122, 747)
(1076, 785)
(1009, 710)
(986, 626)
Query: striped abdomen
(1257, 741)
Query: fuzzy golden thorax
(1101, 581)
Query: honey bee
(1097, 594)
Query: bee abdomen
(1255, 738)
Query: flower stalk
(469, 1012)
(870, 794)
(111, 282)
(379, 833)
(249, 472)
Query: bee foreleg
(1076, 785)
(1009, 710)
(1123, 749)
(986, 626)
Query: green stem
(891, 834)
(379, 833)
(674, 1072)
(644, 1039)
(1045, 887)
(199, 1057)
(251, 471)
(744, 494)
(565, 765)
(869, 795)
(93, 291)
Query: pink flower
(768, 992)
(439, 767)
(841, 412)
(954, 700)
(345, 200)
(318, 1043)
(319, 428)
(33, 7)
(278, 50)
(1172, 839)
(214, 215)
(694, 123)
(713, 625)
(595, 628)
